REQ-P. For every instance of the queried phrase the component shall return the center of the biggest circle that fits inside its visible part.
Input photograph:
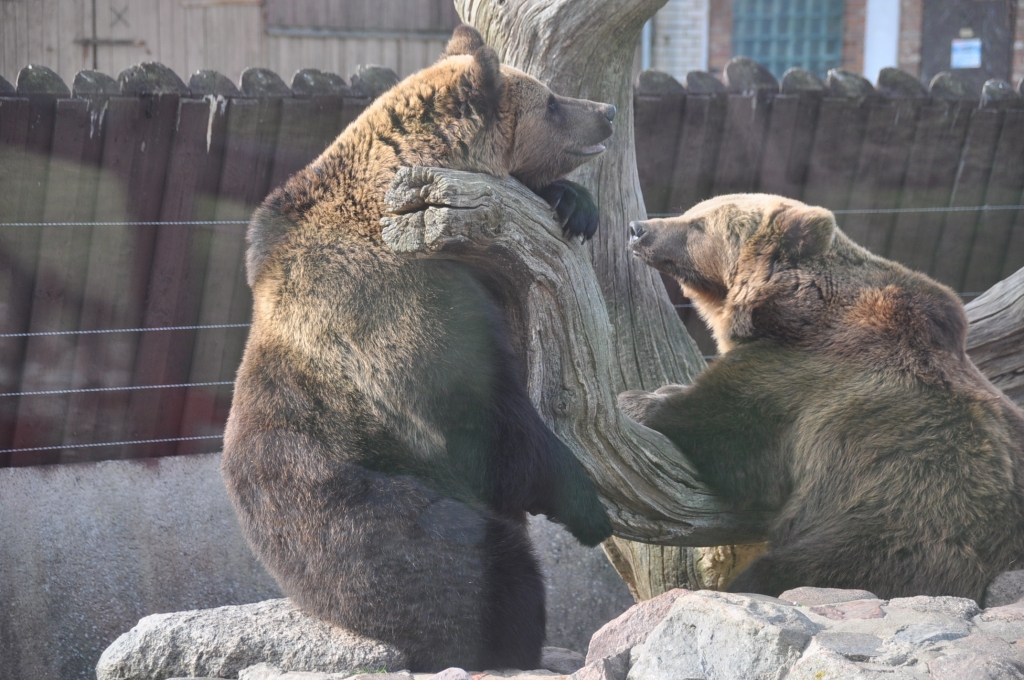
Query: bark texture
(585, 48)
(995, 340)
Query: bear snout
(636, 230)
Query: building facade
(921, 37)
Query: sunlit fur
(844, 406)
(382, 450)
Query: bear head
(475, 114)
(739, 254)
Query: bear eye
(696, 225)
(552, 104)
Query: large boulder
(221, 642)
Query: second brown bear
(843, 405)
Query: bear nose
(636, 230)
(609, 112)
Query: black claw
(574, 206)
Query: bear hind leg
(514, 618)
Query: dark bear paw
(574, 206)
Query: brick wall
(720, 35)
(854, 18)
(679, 41)
(910, 36)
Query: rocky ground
(806, 634)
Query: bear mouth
(591, 150)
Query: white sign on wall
(966, 53)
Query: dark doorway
(973, 38)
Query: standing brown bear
(844, 405)
(382, 450)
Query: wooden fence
(123, 303)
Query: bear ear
(465, 40)
(486, 70)
(803, 231)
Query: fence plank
(659, 117)
(995, 228)
(697, 151)
(743, 136)
(953, 249)
(788, 142)
(29, 143)
(838, 137)
(252, 127)
(13, 134)
(57, 298)
(931, 172)
(881, 170)
(178, 272)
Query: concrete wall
(86, 550)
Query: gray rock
(263, 671)
(209, 82)
(221, 642)
(1005, 622)
(6, 89)
(312, 81)
(561, 660)
(824, 664)
(843, 83)
(809, 597)
(653, 81)
(997, 94)
(702, 82)
(262, 82)
(853, 646)
(632, 628)
(373, 81)
(856, 609)
(954, 607)
(40, 80)
(90, 83)
(972, 665)
(608, 668)
(898, 84)
(743, 74)
(453, 674)
(1004, 589)
(797, 80)
(948, 85)
(924, 634)
(723, 636)
(400, 675)
(150, 78)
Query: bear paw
(575, 207)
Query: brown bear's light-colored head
(522, 128)
(732, 253)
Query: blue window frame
(785, 33)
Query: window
(784, 33)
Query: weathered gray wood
(634, 331)
(995, 341)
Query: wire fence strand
(894, 211)
(126, 330)
(179, 223)
(85, 390)
(125, 443)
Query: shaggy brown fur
(844, 404)
(382, 450)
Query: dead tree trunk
(995, 341)
(585, 48)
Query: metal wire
(180, 223)
(895, 211)
(126, 330)
(116, 389)
(127, 443)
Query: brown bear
(843, 406)
(382, 450)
